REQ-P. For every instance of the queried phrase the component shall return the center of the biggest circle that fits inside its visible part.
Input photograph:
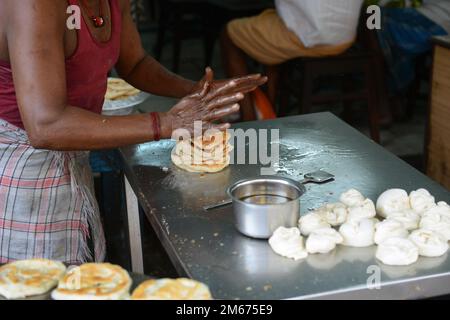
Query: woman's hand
(243, 84)
(211, 101)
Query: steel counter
(207, 247)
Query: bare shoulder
(16, 17)
(42, 11)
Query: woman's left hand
(244, 84)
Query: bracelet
(156, 126)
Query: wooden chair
(364, 58)
(181, 18)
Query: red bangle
(156, 126)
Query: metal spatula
(318, 177)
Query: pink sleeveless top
(86, 71)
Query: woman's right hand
(208, 104)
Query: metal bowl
(264, 204)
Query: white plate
(112, 105)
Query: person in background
(405, 38)
(295, 28)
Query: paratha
(94, 281)
(204, 154)
(172, 289)
(27, 278)
(118, 89)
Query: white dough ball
(442, 208)
(287, 242)
(430, 243)
(365, 210)
(392, 200)
(389, 229)
(397, 252)
(434, 221)
(310, 222)
(333, 213)
(352, 198)
(409, 218)
(444, 205)
(358, 233)
(421, 200)
(323, 240)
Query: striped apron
(47, 204)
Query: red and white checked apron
(47, 205)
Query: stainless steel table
(207, 247)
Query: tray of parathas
(204, 154)
(120, 95)
(41, 279)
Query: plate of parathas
(45, 279)
(120, 95)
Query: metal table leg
(134, 229)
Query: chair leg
(284, 92)
(209, 42)
(348, 87)
(273, 73)
(177, 38)
(152, 6)
(211, 32)
(307, 89)
(372, 101)
(162, 26)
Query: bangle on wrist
(156, 125)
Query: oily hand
(207, 105)
(211, 101)
(243, 84)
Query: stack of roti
(172, 289)
(206, 154)
(118, 89)
(28, 278)
(94, 281)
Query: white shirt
(437, 11)
(321, 22)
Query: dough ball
(287, 242)
(334, 213)
(352, 198)
(442, 208)
(430, 243)
(409, 218)
(421, 200)
(392, 200)
(323, 240)
(434, 221)
(389, 229)
(358, 233)
(365, 210)
(310, 222)
(397, 252)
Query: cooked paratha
(27, 278)
(118, 89)
(172, 289)
(94, 281)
